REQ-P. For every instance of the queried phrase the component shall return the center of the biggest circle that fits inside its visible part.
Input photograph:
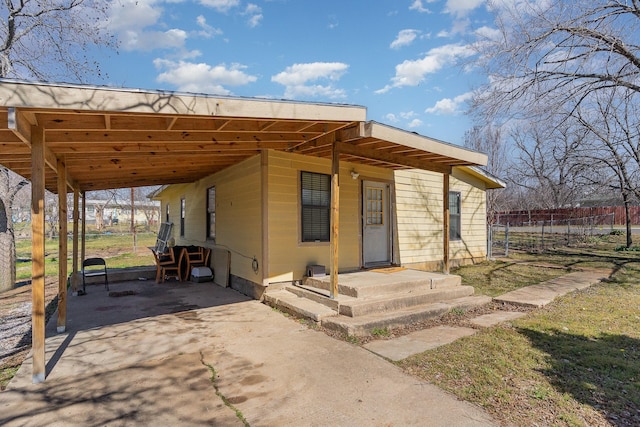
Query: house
(114, 212)
(280, 185)
(272, 213)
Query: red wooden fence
(600, 215)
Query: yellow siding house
(387, 217)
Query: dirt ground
(15, 322)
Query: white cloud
(417, 5)
(150, 40)
(448, 106)
(207, 30)
(412, 73)
(131, 21)
(391, 118)
(488, 33)
(407, 114)
(201, 77)
(461, 8)
(299, 79)
(221, 5)
(333, 22)
(404, 38)
(128, 15)
(255, 14)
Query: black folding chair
(94, 267)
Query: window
(167, 212)
(183, 207)
(375, 209)
(211, 213)
(454, 216)
(316, 206)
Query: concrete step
(291, 303)
(363, 325)
(321, 296)
(390, 302)
(370, 283)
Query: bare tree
(45, 40)
(101, 199)
(547, 164)
(150, 211)
(51, 214)
(547, 55)
(49, 39)
(553, 66)
(489, 140)
(613, 120)
(10, 186)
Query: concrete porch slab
(417, 342)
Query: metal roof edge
(491, 180)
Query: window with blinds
(316, 206)
(455, 231)
(211, 213)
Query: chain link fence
(540, 235)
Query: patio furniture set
(179, 262)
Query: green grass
(381, 332)
(575, 362)
(7, 373)
(117, 249)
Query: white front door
(376, 229)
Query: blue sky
(402, 59)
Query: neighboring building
(146, 213)
(387, 217)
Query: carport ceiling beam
(367, 153)
(21, 126)
(348, 132)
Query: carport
(77, 138)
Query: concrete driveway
(149, 359)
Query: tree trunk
(99, 218)
(627, 219)
(7, 249)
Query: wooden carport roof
(114, 138)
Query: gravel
(15, 330)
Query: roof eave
(102, 99)
(491, 182)
(413, 140)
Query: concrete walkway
(531, 296)
(148, 359)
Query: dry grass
(575, 362)
(499, 277)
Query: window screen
(211, 213)
(454, 216)
(316, 206)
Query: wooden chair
(168, 265)
(94, 267)
(196, 258)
